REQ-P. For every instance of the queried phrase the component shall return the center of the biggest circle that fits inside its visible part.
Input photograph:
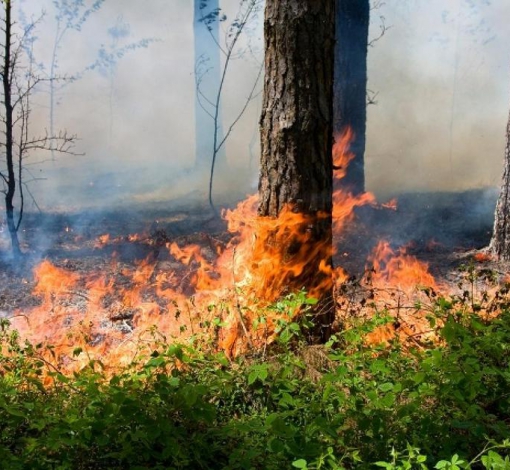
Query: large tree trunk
(208, 120)
(8, 129)
(500, 243)
(296, 140)
(350, 86)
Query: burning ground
(110, 282)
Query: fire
(52, 281)
(399, 269)
(104, 239)
(344, 202)
(391, 204)
(228, 284)
(482, 257)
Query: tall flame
(344, 202)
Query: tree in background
(296, 140)
(108, 57)
(210, 102)
(350, 84)
(500, 242)
(18, 83)
(206, 26)
(70, 15)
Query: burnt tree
(350, 84)
(296, 140)
(500, 242)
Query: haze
(440, 73)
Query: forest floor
(443, 230)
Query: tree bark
(350, 85)
(9, 123)
(500, 243)
(296, 140)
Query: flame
(52, 281)
(344, 202)
(399, 269)
(109, 312)
(483, 257)
(392, 204)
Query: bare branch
(377, 4)
(250, 97)
(371, 97)
(27, 188)
(62, 143)
(382, 31)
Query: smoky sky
(442, 76)
(439, 75)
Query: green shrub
(344, 405)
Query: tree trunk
(9, 123)
(207, 83)
(296, 141)
(500, 243)
(350, 85)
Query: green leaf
(301, 463)
(276, 445)
(295, 327)
(419, 377)
(386, 387)
(384, 465)
(258, 372)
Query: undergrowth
(345, 405)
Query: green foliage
(445, 407)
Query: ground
(443, 230)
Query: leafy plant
(183, 406)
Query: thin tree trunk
(296, 140)
(350, 88)
(53, 68)
(208, 117)
(500, 243)
(9, 142)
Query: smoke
(440, 73)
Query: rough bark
(8, 129)
(296, 136)
(208, 118)
(500, 243)
(350, 85)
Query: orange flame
(265, 258)
(399, 269)
(392, 204)
(345, 202)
